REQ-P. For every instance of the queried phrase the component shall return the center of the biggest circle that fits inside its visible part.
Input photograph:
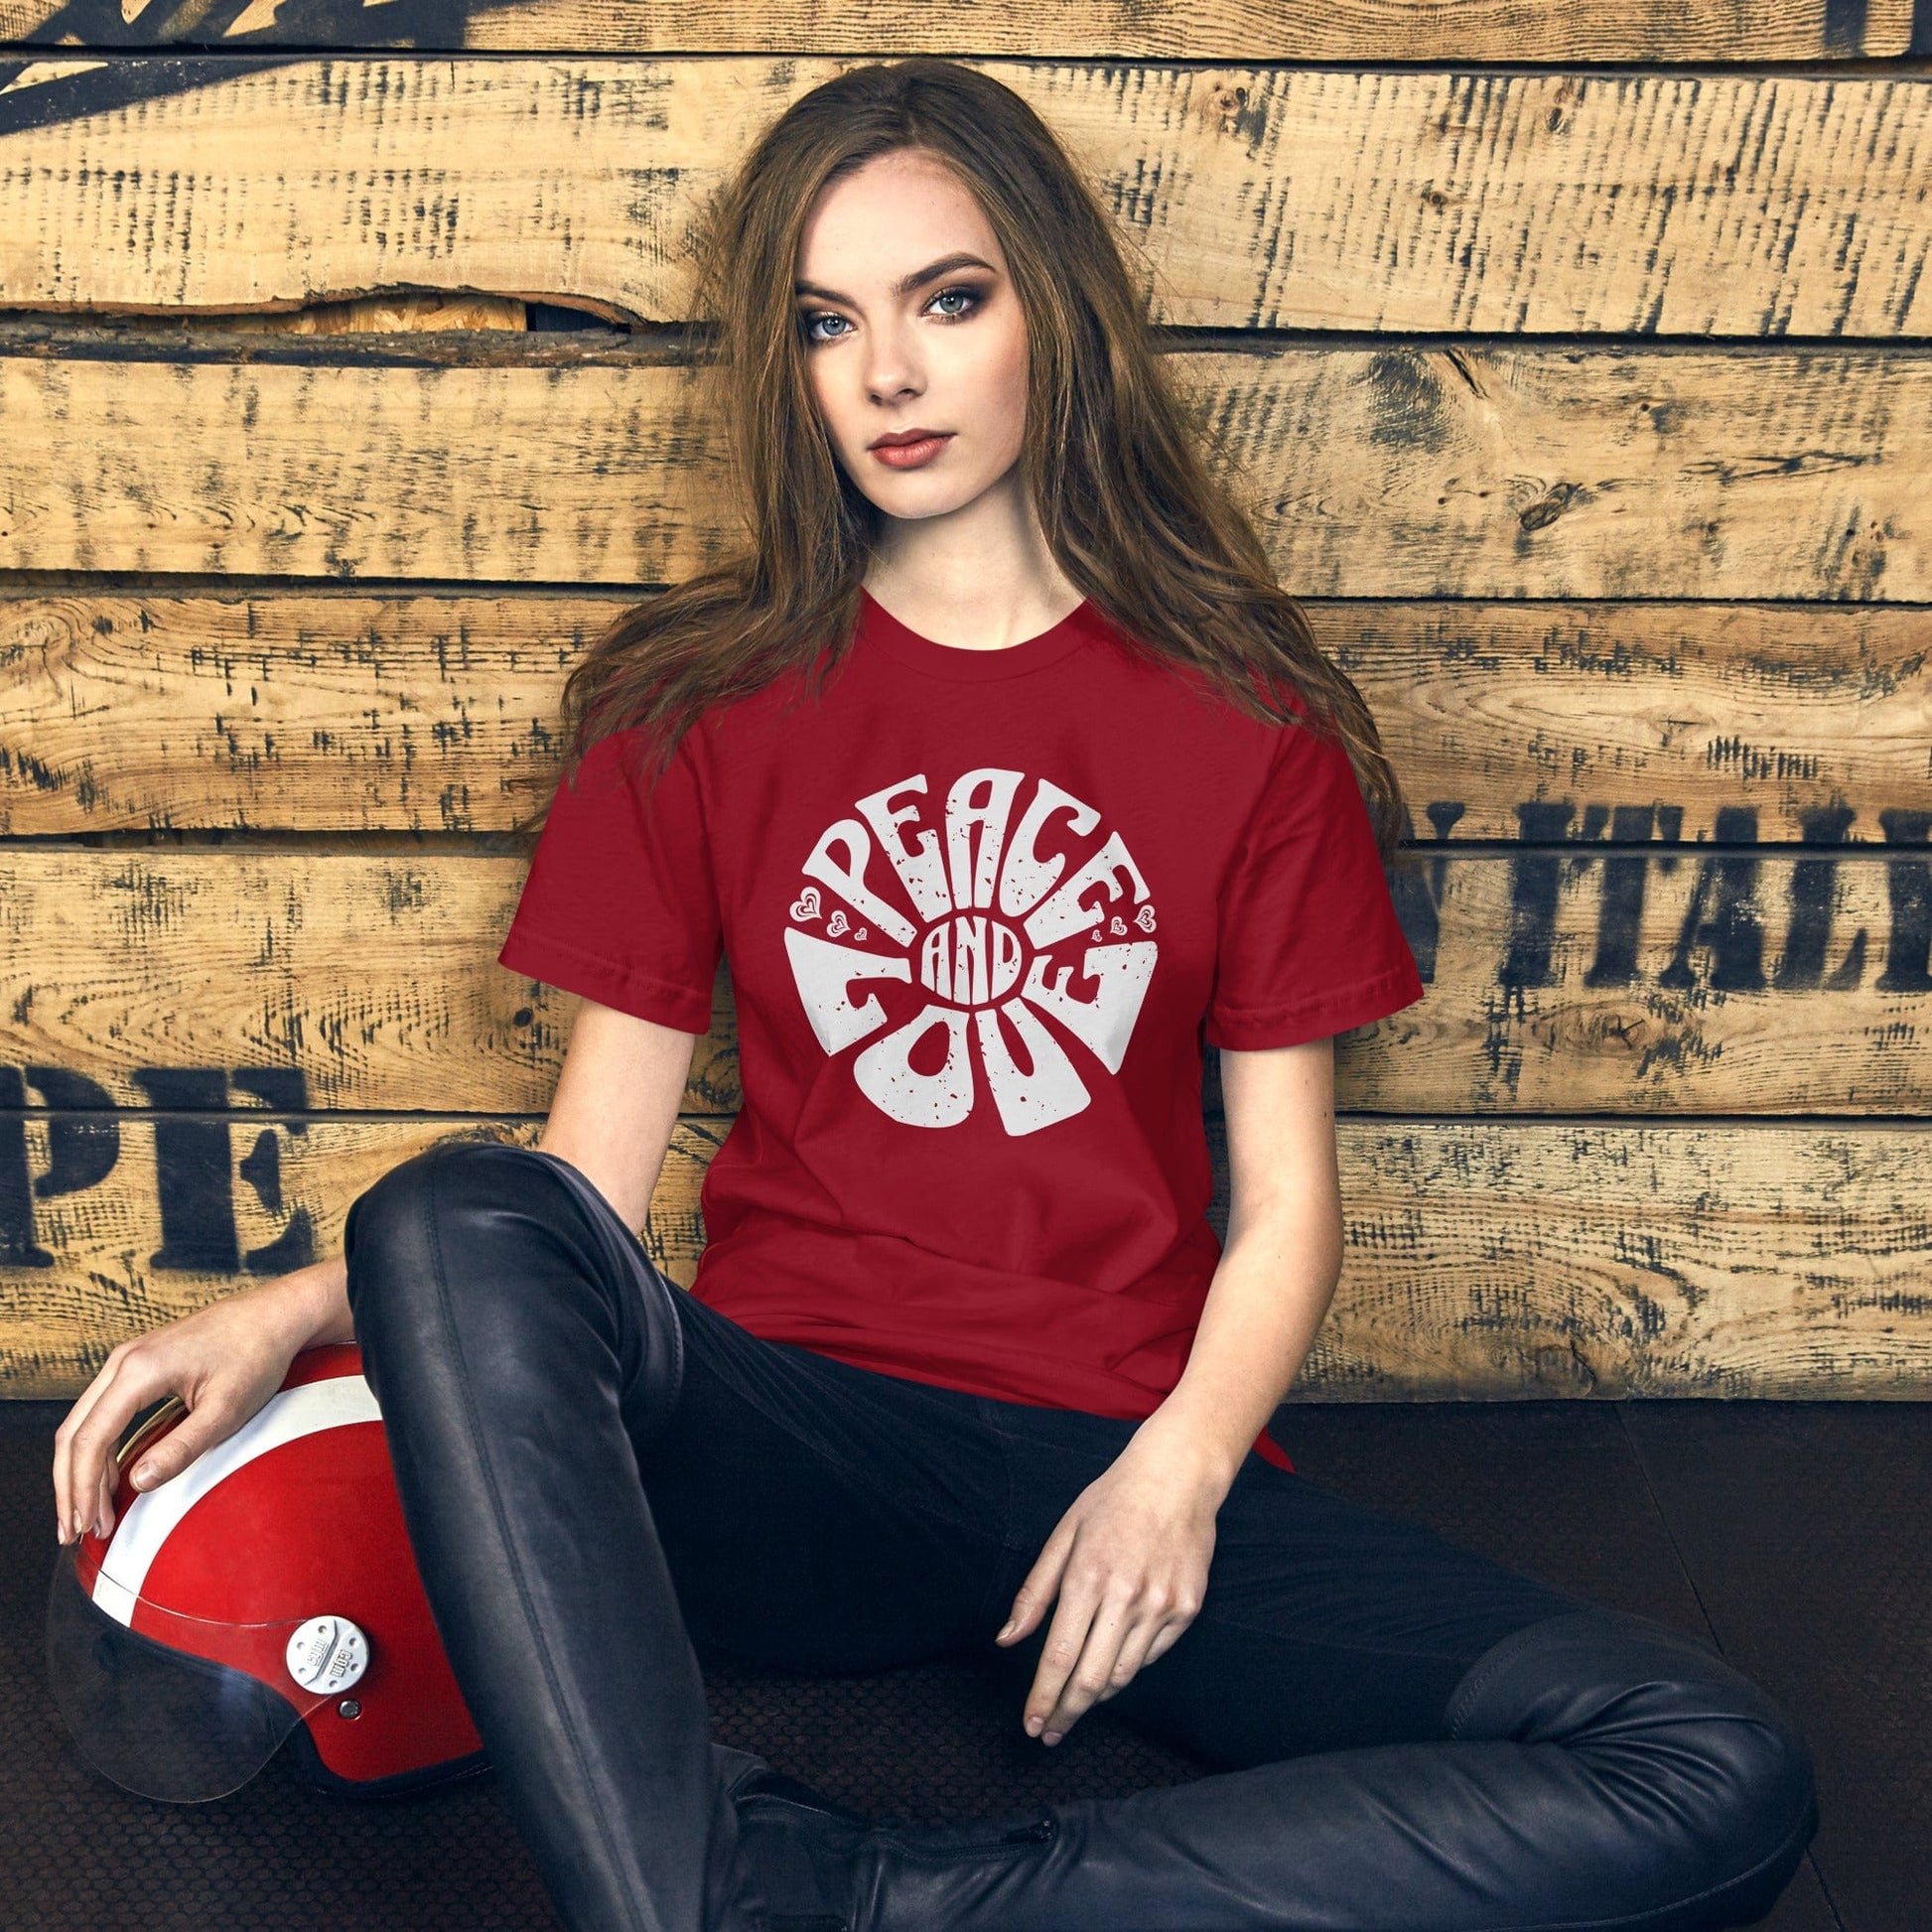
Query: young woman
(1006, 778)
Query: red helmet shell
(292, 1518)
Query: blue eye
(972, 297)
(972, 300)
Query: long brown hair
(1114, 459)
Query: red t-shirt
(981, 908)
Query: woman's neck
(979, 578)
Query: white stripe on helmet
(151, 1518)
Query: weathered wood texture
(1482, 1258)
(284, 709)
(1381, 470)
(1711, 892)
(288, 709)
(342, 981)
(1557, 981)
(1745, 205)
(1490, 1259)
(1356, 29)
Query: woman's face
(911, 323)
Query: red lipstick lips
(908, 449)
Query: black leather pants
(605, 1480)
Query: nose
(893, 367)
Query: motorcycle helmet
(266, 1593)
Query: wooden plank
(1388, 470)
(1609, 1259)
(144, 977)
(1714, 980)
(1495, 203)
(1355, 30)
(1623, 723)
(1482, 1258)
(289, 709)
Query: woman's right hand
(224, 1361)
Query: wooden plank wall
(1574, 358)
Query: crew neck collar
(964, 664)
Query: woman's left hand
(1128, 1562)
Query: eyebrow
(906, 283)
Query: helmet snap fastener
(328, 1654)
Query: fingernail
(141, 1477)
(1032, 1726)
(1051, 1737)
(1006, 1629)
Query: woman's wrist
(1197, 1452)
(313, 1302)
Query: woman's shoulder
(1204, 696)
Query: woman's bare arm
(616, 1104)
(612, 1117)
(1127, 1565)
(1281, 1259)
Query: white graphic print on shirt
(972, 961)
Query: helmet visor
(148, 1700)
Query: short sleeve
(1309, 939)
(619, 902)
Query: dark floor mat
(1808, 1527)
(1553, 1489)
(78, 1855)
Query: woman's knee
(502, 1254)
(403, 1232)
(1745, 1777)
(1744, 1753)
(1722, 1771)
(1776, 1800)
